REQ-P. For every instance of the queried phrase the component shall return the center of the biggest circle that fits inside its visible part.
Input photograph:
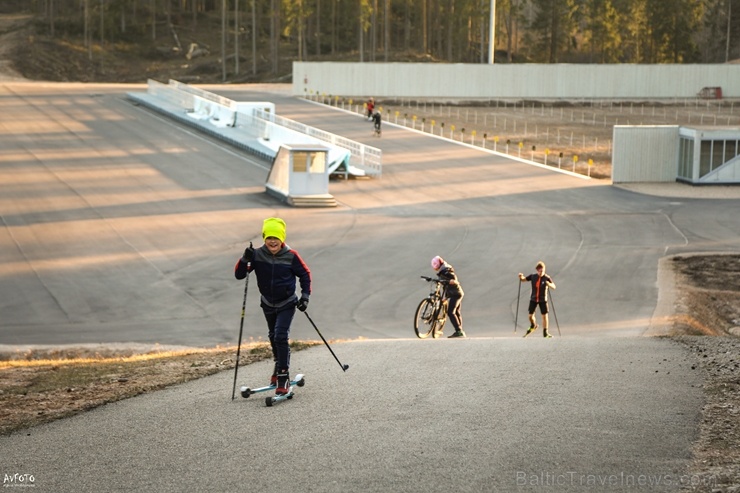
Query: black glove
(302, 304)
(248, 254)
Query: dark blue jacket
(276, 275)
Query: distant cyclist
(453, 293)
(376, 121)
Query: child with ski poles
(377, 120)
(453, 293)
(277, 266)
(541, 282)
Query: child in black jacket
(277, 266)
(453, 293)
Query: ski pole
(344, 367)
(516, 315)
(241, 329)
(552, 302)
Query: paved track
(570, 414)
(118, 226)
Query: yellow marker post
(590, 163)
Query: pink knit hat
(437, 262)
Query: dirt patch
(709, 299)
(708, 303)
(39, 386)
(13, 30)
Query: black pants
(278, 331)
(454, 313)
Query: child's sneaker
(531, 329)
(283, 383)
(546, 334)
(273, 380)
(457, 333)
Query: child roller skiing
(377, 119)
(277, 266)
(541, 282)
(453, 293)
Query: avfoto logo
(18, 480)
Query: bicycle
(431, 314)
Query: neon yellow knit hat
(274, 226)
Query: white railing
(365, 157)
(170, 94)
(201, 93)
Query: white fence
(365, 157)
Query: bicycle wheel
(439, 322)
(424, 321)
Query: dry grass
(39, 386)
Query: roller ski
(531, 329)
(299, 381)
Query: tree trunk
(254, 38)
(362, 34)
(275, 35)
(318, 28)
(236, 36)
(387, 29)
(223, 40)
(102, 22)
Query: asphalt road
(118, 226)
(503, 414)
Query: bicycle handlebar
(431, 279)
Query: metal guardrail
(365, 157)
(171, 95)
(201, 93)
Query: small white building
(695, 155)
(300, 177)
